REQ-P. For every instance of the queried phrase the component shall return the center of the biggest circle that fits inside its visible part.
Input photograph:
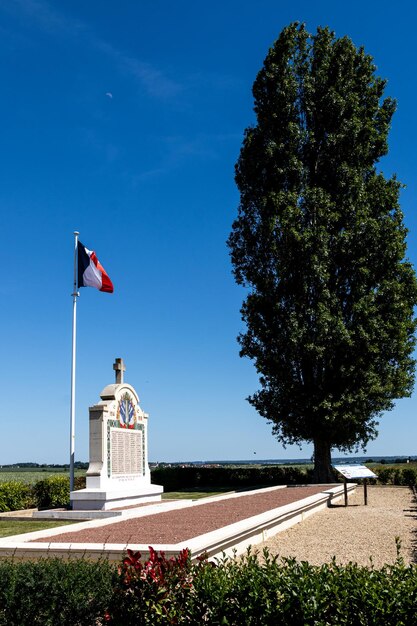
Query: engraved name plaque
(126, 452)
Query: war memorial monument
(118, 474)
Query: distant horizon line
(307, 459)
(240, 460)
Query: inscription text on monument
(126, 452)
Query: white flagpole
(75, 295)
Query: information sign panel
(355, 471)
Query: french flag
(90, 271)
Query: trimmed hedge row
(246, 591)
(406, 476)
(176, 478)
(53, 592)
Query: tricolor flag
(90, 271)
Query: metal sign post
(352, 472)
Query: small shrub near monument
(53, 491)
(15, 495)
(48, 492)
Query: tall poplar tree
(320, 244)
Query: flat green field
(32, 476)
(11, 527)
(194, 494)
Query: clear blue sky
(147, 177)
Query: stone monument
(118, 473)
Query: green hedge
(406, 476)
(52, 492)
(48, 492)
(291, 593)
(176, 478)
(53, 592)
(15, 495)
(247, 591)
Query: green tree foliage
(320, 242)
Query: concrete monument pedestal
(118, 474)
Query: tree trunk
(323, 471)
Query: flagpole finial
(76, 233)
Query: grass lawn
(194, 494)
(9, 527)
(33, 475)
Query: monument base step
(53, 514)
(105, 500)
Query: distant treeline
(26, 465)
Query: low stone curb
(230, 539)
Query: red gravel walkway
(180, 525)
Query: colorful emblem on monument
(126, 413)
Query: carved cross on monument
(119, 368)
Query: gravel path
(355, 533)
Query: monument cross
(119, 368)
